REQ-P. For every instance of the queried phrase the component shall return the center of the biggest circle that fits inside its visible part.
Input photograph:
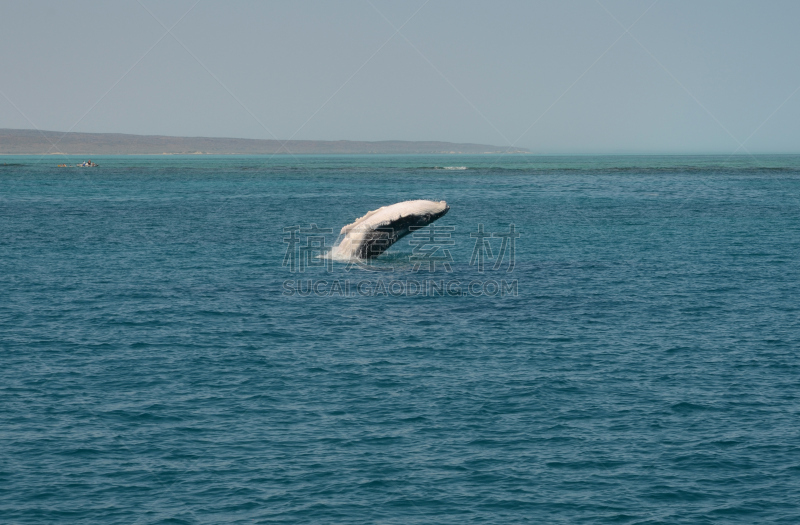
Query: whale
(371, 235)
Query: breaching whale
(372, 234)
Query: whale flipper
(372, 234)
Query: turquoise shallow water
(156, 367)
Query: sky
(556, 77)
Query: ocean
(579, 340)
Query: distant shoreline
(34, 142)
(89, 154)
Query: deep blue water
(160, 364)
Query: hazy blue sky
(552, 76)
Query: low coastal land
(34, 142)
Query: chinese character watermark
(427, 242)
(310, 252)
(483, 248)
(431, 252)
